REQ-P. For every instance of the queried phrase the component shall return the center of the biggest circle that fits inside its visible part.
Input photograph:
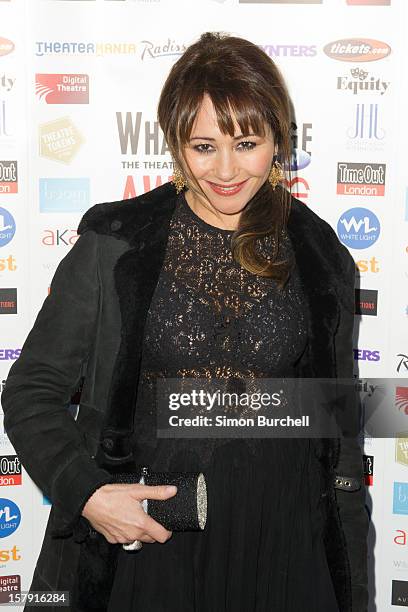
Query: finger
(154, 491)
(155, 530)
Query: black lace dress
(261, 549)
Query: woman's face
(230, 170)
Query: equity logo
(62, 88)
(401, 448)
(358, 228)
(401, 399)
(366, 302)
(6, 46)
(10, 470)
(357, 50)
(60, 140)
(8, 177)
(360, 179)
(359, 83)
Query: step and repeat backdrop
(79, 85)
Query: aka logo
(66, 237)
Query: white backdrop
(79, 84)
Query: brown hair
(240, 79)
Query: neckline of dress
(200, 221)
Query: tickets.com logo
(357, 50)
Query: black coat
(92, 324)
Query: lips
(227, 190)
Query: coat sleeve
(351, 503)
(41, 382)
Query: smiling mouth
(229, 186)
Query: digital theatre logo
(62, 88)
(360, 179)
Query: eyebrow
(213, 139)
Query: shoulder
(122, 218)
(317, 234)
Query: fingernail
(171, 489)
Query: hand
(116, 512)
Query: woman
(225, 277)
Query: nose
(226, 169)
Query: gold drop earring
(276, 174)
(179, 180)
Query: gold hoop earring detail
(276, 174)
(178, 180)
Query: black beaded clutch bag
(185, 511)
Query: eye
(246, 145)
(203, 148)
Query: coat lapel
(145, 224)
